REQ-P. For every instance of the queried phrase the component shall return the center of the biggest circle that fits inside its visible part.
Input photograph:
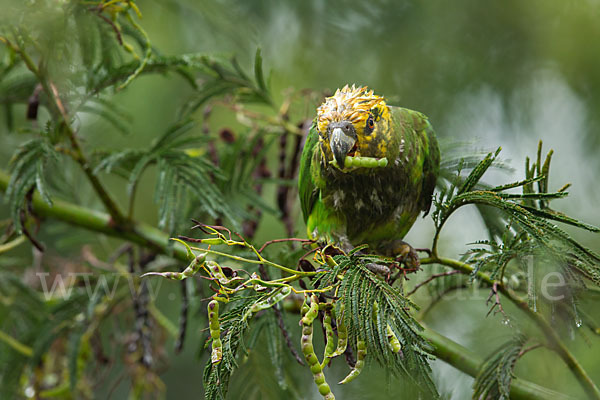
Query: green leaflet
(530, 227)
(234, 325)
(495, 376)
(360, 289)
(275, 349)
(478, 172)
(27, 172)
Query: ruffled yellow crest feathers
(347, 104)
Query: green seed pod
(393, 340)
(201, 258)
(194, 266)
(319, 378)
(303, 310)
(189, 271)
(213, 325)
(326, 392)
(312, 312)
(216, 271)
(361, 353)
(217, 352)
(279, 295)
(308, 348)
(342, 341)
(275, 297)
(315, 368)
(329, 344)
(370, 162)
(324, 389)
(215, 332)
(213, 241)
(312, 359)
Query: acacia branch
(134, 232)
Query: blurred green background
(487, 73)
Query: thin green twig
(260, 261)
(15, 344)
(12, 244)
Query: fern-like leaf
(496, 374)
(28, 171)
(360, 289)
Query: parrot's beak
(340, 144)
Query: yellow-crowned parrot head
(354, 128)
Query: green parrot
(367, 171)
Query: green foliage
(360, 289)
(496, 374)
(234, 323)
(28, 171)
(42, 323)
(218, 176)
(187, 177)
(181, 176)
(187, 181)
(529, 215)
(25, 313)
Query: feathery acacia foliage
(53, 343)
(359, 291)
(530, 232)
(496, 374)
(27, 172)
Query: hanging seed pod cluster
(361, 314)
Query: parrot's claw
(409, 257)
(405, 254)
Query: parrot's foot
(404, 254)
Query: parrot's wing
(431, 166)
(419, 124)
(306, 187)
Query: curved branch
(135, 232)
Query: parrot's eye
(370, 125)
